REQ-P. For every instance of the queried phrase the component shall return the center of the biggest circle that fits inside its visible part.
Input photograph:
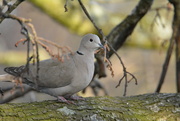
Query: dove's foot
(62, 99)
(75, 97)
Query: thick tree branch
(119, 34)
(14, 93)
(148, 107)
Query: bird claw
(62, 99)
(73, 97)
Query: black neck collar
(79, 53)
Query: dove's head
(90, 42)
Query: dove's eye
(91, 40)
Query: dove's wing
(53, 73)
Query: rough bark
(147, 107)
(176, 28)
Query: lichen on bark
(147, 107)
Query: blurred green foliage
(107, 14)
(74, 19)
(9, 58)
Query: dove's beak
(99, 48)
(100, 45)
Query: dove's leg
(62, 99)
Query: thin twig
(65, 6)
(64, 49)
(92, 21)
(125, 72)
(119, 83)
(133, 78)
(168, 54)
(10, 9)
(20, 41)
(35, 51)
(24, 31)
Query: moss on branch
(146, 107)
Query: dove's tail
(6, 77)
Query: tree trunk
(176, 26)
(147, 107)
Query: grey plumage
(65, 78)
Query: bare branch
(24, 31)
(65, 6)
(92, 21)
(175, 37)
(118, 34)
(133, 78)
(125, 73)
(10, 9)
(119, 83)
(8, 96)
(35, 51)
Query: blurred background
(143, 53)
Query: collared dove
(62, 79)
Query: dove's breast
(83, 73)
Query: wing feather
(53, 73)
